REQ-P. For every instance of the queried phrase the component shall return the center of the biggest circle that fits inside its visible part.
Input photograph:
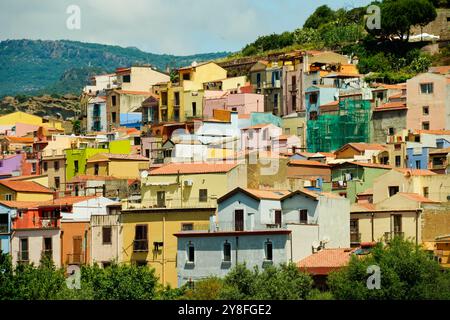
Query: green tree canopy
(321, 16)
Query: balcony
(23, 257)
(3, 228)
(339, 185)
(355, 237)
(389, 236)
(195, 227)
(292, 88)
(36, 223)
(140, 245)
(174, 203)
(75, 259)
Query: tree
(76, 127)
(321, 16)
(207, 289)
(407, 273)
(398, 16)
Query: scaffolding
(331, 131)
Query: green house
(350, 178)
(76, 158)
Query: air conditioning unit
(188, 183)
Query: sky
(179, 27)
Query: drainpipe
(62, 246)
(290, 236)
(372, 218)
(417, 225)
(163, 250)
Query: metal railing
(3, 228)
(37, 223)
(389, 236)
(355, 237)
(335, 185)
(174, 203)
(140, 245)
(75, 258)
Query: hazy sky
(161, 26)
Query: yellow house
(148, 237)
(20, 117)
(184, 99)
(124, 166)
(12, 190)
(191, 185)
(400, 215)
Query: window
(393, 190)
(266, 134)
(161, 198)
(391, 131)
(45, 166)
(426, 88)
(186, 76)
(1, 163)
(303, 217)
(313, 115)
(278, 218)
(141, 263)
(418, 164)
(140, 238)
(33, 167)
(8, 197)
(398, 161)
(299, 131)
(75, 163)
(426, 192)
(194, 109)
(57, 183)
(106, 235)
(203, 195)
(191, 253)
(275, 101)
(113, 117)
(126, 78)
(258, 80)
(397, 146)
(227, 251)
(397, 223)
(113, 100)
(438, 161)
(187, 226)
(23, 249)
(425, 111)
(96, 169)
(106, 264)
(425, 125)
(313, 98)
(239, 220)
(176, 114)
(47, 247)
(268, 250)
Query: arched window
(227, 251)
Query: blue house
(318, 95)
(5, 228)
(418, 153)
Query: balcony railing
(75, 259)
(23, 257)
(355, 237)
(37, 223)
(174, 203)
(140, 245)
(388, 236)
(339, 185)
(292, 87)
(187, 227)
(3, 228)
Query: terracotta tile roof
(362, 206)
(66, 201)
(112, 156)
(366, 192)
(398, 86)
(325, 261)
(332, 103)
(440, 69)
(19, 139)
(86, 177)
(21, 204)
(437, 132)
(361, 146)
(416, 172)
(244, 116)
(392, 106)
(308, 163)
(416, 197)
(258, 126)
(193, 168)
(328, 154)
(25, 186)
(397, 96)
(139, 93)
(369, 165)
(268, 194)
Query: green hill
(35, 67)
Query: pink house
(428, 101)
(243, 103)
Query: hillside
(36, 67)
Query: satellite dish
(326, 239)
(144, 174)
(316, 245)
(194, 64)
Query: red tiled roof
(392, 106)
(194, 168)
(20, 139)
(325, 261)
(437, 132)
(416, 197)
(113, 156)
(361, 146)
(369, 165)
(21, 204)
(308, 163)
(366, 192)
(332, 103)
(66, 201)
(25, 186)
(416, 172)
(440, 69)
(86, 177)
(268, 194)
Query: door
(397, 224)
(161, 198)
(278, 218)
(239, 220)
(77, 250)
(23, 250)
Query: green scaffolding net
(331, 131)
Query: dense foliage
(407, 273)
(35, 66)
